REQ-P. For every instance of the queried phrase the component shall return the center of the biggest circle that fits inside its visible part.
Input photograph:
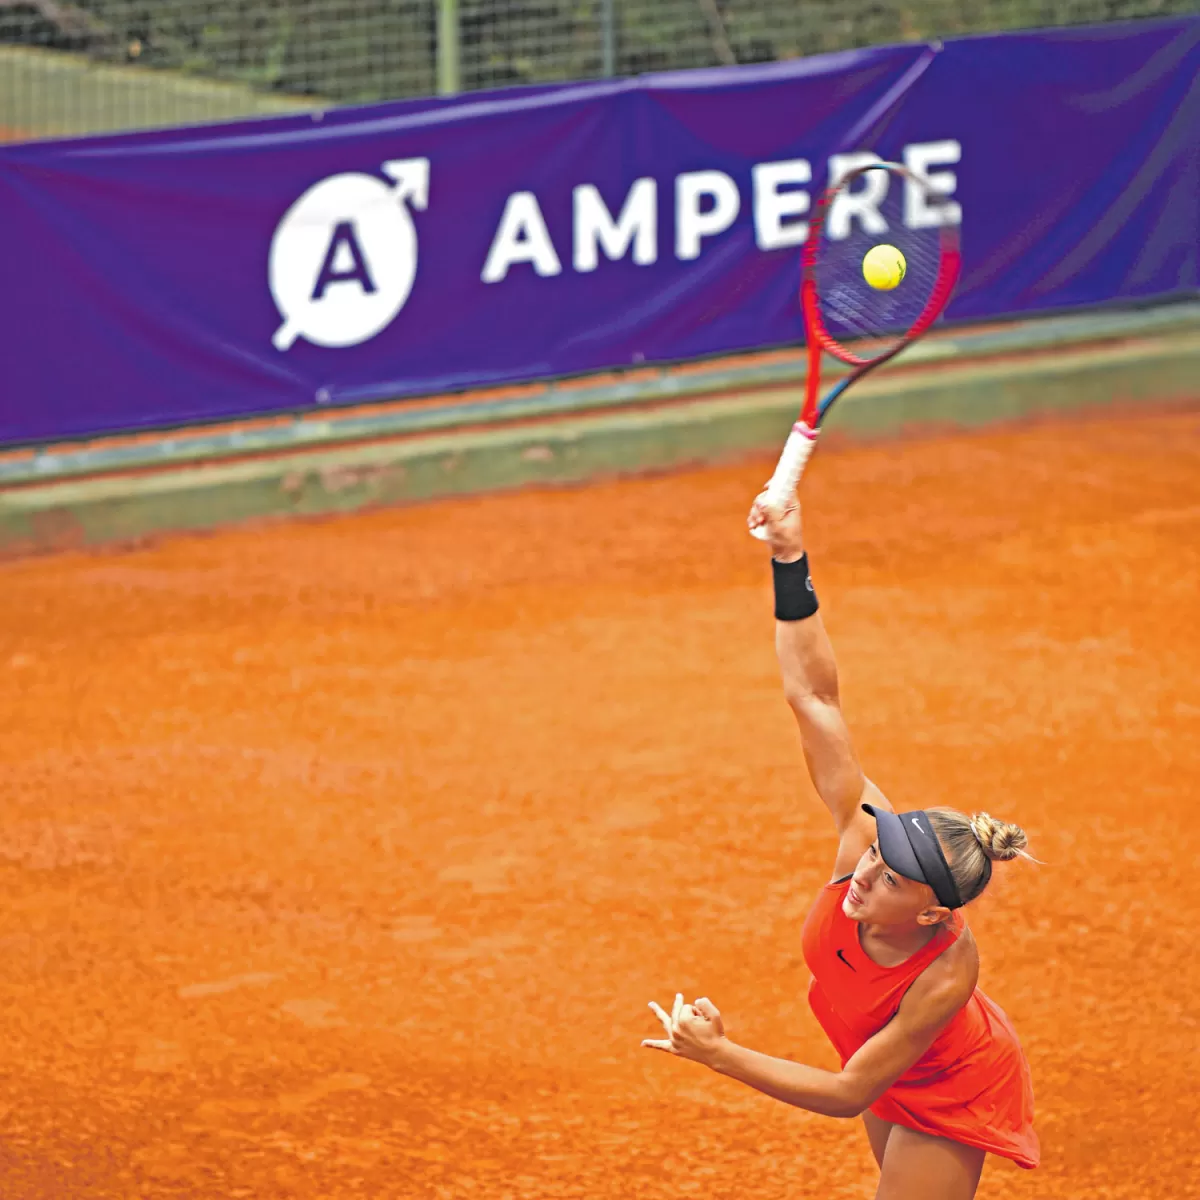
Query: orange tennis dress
(972, 1085)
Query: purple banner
(193, 275)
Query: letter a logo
(344, 258)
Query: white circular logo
(344, 257)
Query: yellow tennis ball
(884, 267)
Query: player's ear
(936, 914)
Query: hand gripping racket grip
(781, 490)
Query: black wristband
(794, 596)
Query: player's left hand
(694, 1031)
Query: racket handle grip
(781, 488)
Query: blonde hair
(972, 843)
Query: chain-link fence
(69, 66)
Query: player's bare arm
(810, 685)
(697, 1032)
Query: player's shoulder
(859, 831)
(951, 977)
(873, 796)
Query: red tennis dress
(972, 1085)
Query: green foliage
(361, 50)
(346, 50)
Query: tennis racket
(910, 230)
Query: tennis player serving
(931, 1065)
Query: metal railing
(75, 66)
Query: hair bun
(1000, 840)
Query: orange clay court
(342, 858)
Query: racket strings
(854, 311)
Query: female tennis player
(930, 1063)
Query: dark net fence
(91, 65)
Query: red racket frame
(818, 336)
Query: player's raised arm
(806, 661)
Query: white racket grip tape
(781, 489)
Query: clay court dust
(342, 858)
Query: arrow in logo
(411, 177)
